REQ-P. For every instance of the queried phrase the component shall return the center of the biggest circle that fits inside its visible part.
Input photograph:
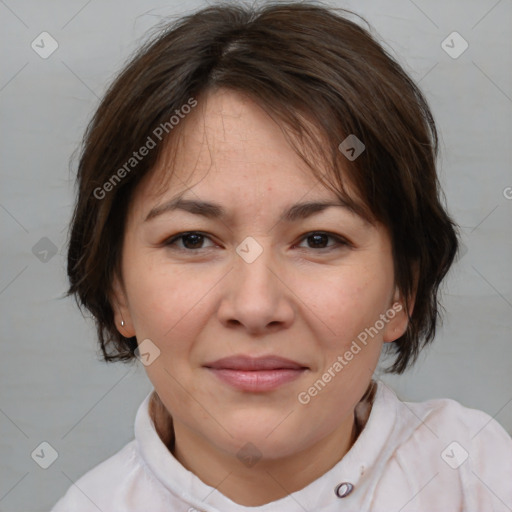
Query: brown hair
(307, 65)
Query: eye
(319, 238)
(192, 241)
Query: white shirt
(433, 456)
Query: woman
(258, 217)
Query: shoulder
(461, 448)
(447, 418)
(109, 484)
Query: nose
(256, 296)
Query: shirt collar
(358, 469)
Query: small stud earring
(122, 323)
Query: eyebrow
(211, 210)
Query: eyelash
(340, 241)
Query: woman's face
(315, 287)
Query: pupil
(197, 237)
(318, 238)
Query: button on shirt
(433, 456)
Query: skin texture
(298, 300)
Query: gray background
(53, 386)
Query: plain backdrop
(55, 389)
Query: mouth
(256, 374)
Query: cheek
(166, 303)
(347, 300)
(170, 309)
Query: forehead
(230, 134)
(230, 150)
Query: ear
(397, 319)
(398, 324)
(119, 303)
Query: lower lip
(260, 380)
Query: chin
(271, 440)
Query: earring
(122, 323)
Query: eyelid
(340, 241)
(169, 242)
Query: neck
(268, 480)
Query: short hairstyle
(321, 76)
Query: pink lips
(256, 374)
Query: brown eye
(319, 240)
(192, 240)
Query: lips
(247, 363)
(256, 374)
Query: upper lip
(242, 362)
